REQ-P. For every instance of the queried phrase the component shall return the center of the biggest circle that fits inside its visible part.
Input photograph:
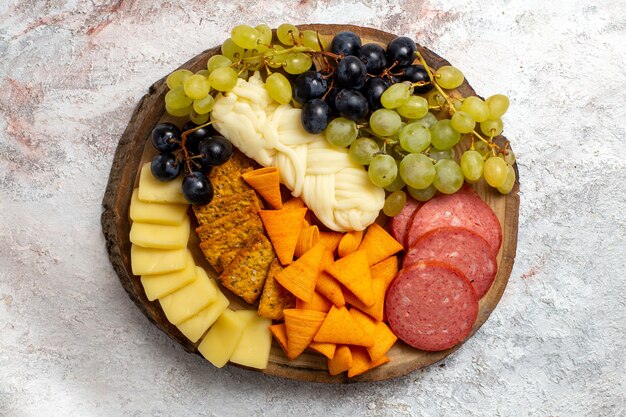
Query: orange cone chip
(299, 278)
(385, 270)
(341, 328)
(266, 181)
(318, 303)
(280, 334)
(330, 288)
(377, 309)
(307, 238)
(283, 228)
(301, 326)
(349, 243)
(361, 361)
(326, 349)
(341, 361)
(383, 336)
(293, 203)
(378, 244)
(353, 272)
(331, 240)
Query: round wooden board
(134, 149)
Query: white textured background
(73, 344)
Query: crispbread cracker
(223, 206)
(225, 259)
(227, 184)
(274, 298)
(226, 224)
(246, 274)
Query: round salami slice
(461, 209)
(460, 248)
(400, 223)
(431, 306)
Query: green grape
(297, 63)
(363, 150)
(427, 121)
(457, 103)
(198, 119)
(438, 155)
(265, 37)
(472, 165)
(475, 107)
(205, 73)
(177, 99)
(279, 88)
(396, 95)
(436, 99)
(449, 77)
(341, 132)
(177, 78)
(394, 203)
(509, 157)
(397, 184)
(385, 122)
(462, 122)
(495, 171)
(245, 36)
(217, 61)
(286, 33)
(414, 137)
(423, 194)
(182, 112)
(309, 39)
(204, 105)
(492, 128)
(498, 105)
(197, 87)
(509, 182)
(443, 136)
(417, 170)
(449, 177)
(223, 79)
(482, 148)
(416, 107)
(231, 51)
(382, 170)
(273, 60)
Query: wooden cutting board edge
(122, 180)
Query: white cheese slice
(159, 236)
(196, 326)
(158, 213)
(148, 261)
(189, 300)
(158, 286)
(152, 190)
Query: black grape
(352, 105)
(351, 72)
(215, 151)
(416, 73)
(197, 188)
(315, 115)
(346, 43)
(373, 56)
(166, 137)
(401, 49)
(165, 166)
(374, 88)
(309, 85)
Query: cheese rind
(159, 236)
(222, 338)
(158, 286)
(254, 347)
(147, 261)
(194, 327)
(157, 213)
(189, 300)
(152, 190)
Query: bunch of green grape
(409, 142)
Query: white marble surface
(73, 344)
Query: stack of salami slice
(451, 243)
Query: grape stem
(183, 144)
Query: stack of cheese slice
(189, 298)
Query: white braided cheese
(337, 190)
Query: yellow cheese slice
(222, 338)
(194, 328)
(147, 261)
(158, 286)
(157, 213)
(152, 190)
(158, 236)
(189, 300)
(253, 349)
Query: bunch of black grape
(194, 152)
(353, 89)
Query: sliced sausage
(431, 306)
(400, 223)
(461, 209)
(460, 248)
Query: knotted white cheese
(337, 189)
